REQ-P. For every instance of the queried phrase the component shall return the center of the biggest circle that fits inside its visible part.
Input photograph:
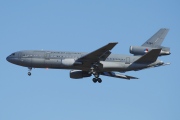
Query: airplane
(98, 62)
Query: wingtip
(131, 77)
(113, 42)
(134, 78)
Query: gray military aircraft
(98, 62)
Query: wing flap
(116, 75)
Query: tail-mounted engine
(140, 50)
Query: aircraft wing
(116, 75)
(97, 55)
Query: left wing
(116, 75)
(97, 55)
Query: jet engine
(141, 50)
(77, 74)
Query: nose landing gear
(29, 73)
(29, 69)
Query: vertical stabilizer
(156, 40)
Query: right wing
(157, 38)
(116, 75)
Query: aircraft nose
(8, 59)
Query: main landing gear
(96, 74)
(97, 80)
(29, 69)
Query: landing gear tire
(29, 69)
(29, 73)
(99, 80)
(94, 80)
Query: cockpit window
(13, 54)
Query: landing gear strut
(29, 69)
(93, 70)
(96, 79)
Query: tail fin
(150, 57)
(157, 38)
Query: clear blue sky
(78, 25)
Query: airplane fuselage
(67, 60)
(98, 62)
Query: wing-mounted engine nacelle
(77, 74)
(141, 50)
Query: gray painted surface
(98, 62)
(154, 42)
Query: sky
(83, 26)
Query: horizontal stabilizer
(150, 57)
(166, 64)
(116, 75)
